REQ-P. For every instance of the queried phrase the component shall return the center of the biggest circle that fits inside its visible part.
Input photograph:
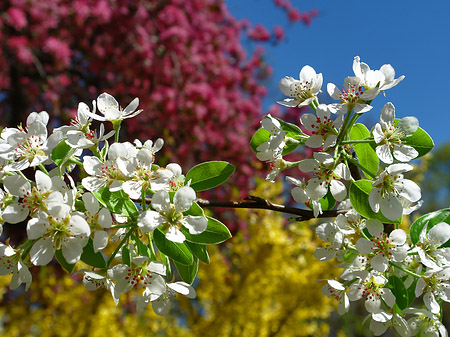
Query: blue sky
(413, 36)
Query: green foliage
(367, 156)
(62, 152)
(216, 232)
(92, 258)
(188, 273)
(178, 252)
(117, 202)
(208, 175)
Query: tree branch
(260, 203)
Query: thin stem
(361, 141)
(125, 239)
(42, 167)
(405, 270)
(355, 162)
(343, 131)
(150, 245)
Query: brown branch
(252, 202)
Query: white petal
(93, 184)
(374, 199)
(308, 165)
(378, 133)
(174, 235)
(439, 233)
(195, 224)
(309, 121)
(314, 141)
(431, 303)
(409, 125)
(78, 226)
(379, 263)
(100, 240)
(384, 153)
(398, 237)
(338, 190)
(37, 227)
(42, 252)
(184, 198)
(91, 203)
(17, 185)
(15, 213)
(149, 220)
(161, 306)
(391, 207)
(375, 227)
(104, 218)
(364, 246)
(161, 201)
(183, 288)
(316, 189)
(333, 91)
(404, 153)
(387, 115)
(72, 250)
(43, 181)
(299, 195)
(409, 190)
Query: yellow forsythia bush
(260, 283)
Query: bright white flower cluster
(149, 216)
(77, 221)
(364, 170)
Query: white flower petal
(195, 224)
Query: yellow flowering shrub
(262, 282)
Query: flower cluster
(124, 196)
(364, 171)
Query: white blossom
(302, 91)
(170, 215)
(389, 137)
(390, 188)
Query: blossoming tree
(183, 59)
(153, 218)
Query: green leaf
(216, 232)
(62, 261)
(166, 261)
(199, 251)
(432, 219)
(187, 273)
(92, 258)
(176, 251)
(412, 292)
(117, 202)
(399, 291)
(367, 156)
(126, 255)
(143, 249)
(210, 174)
(259, 137)
(62, 152)
(420, 140)
(359, 197)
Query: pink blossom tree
(183, 59)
